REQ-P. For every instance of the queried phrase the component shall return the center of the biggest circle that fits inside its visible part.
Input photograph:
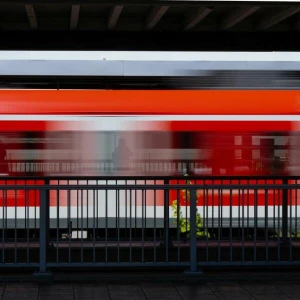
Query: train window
(207, 150)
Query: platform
(215, 286)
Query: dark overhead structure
(165, 15)
(146, 24)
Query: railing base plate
(42, 275)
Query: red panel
(237, 198)
(11, 198)
(148, 102)
(188, 126)
(21, 126)
(233, 126)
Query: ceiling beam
(275, 19)
(31, 16)
(155, 15)
(192, 20)
(114, 16)
(74, 16)
(237, 16)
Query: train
(126, 133)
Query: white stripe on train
(150, 212)
(128, 117)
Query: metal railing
(138, 222)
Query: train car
(223, 133)
(166, 114)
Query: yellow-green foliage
(184, 224)
(289, 234)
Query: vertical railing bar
(43, 230)
(27, 220)
(178, 225)
(16, 216)
(193, 232)
(6, 214)
(202, 212)
(166, 221)
(219, 225)
(87, 210)
(94, 231)
(116, 218)
(106, 225)
(57, 227)
(213, 212)
(97, 213)
(290, 221)
(243, 225)
(266, 224)
(118, 223)
(230, 223)
(130, 232)
(255, 221)
(285, 213)
(81, 242)
(145, 213)
(278, 226)
(126, 225)
(77, 208)
(274, 209)
(248, 210)
(239, 209)
(3, 225)
(135, 213)
(69, 221)
(186, 210)
(155, 226)
(206, 192)
(296, 212)
(35, 212)
(143, 204)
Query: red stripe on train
(233, 126)
(31, 198)
(215, 126)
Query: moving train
(84, 133)
(214, 115)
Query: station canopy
(150, 24)
(146, 15)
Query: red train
(169, 132)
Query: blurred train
(170, 133)
(211, 115)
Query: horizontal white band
(151, 55)
(149, 118)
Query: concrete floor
(212, 286)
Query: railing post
(47, 197)
(44, 234)
(43, 231)
(285, 213)
(193, 235)
(167, 242)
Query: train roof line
(142, 64)
(149, 56)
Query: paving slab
(205, 288)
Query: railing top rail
(155, 187)
(151, 177)
(139, 160)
